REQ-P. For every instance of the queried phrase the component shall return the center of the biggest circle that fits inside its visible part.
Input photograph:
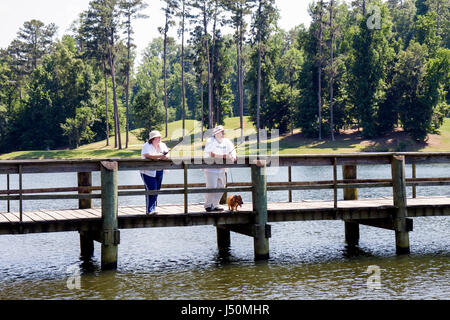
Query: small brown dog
(233, 202)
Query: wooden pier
(103, 224)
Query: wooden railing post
(110, 233)
(259, 198)
(86, 237)
(349, 172)
(400, 214)
(20, 194)
(290, 180)
(185, 174)
(9, 188)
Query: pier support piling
(259, 198)
(400, 214)
(223, 238)
(86, 245)
(110, 233)
(349, 172)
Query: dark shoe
(218, 209)
(209, 209)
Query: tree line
(367, 64)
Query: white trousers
(214, 180)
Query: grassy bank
(347, 142)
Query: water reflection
(308, 260)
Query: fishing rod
(237, 146)
(181, 140)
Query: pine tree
(204, 15)
(130, 10)
(169, 11)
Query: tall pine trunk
(127, 89)
(205, 25)
(258, 97)
(213, 52)
(258, 90)
(182, 70)
(116, 108)
(238, 58)
(203, 112)
(165, 75)
(332, 71)
(106, 102)
(240, 74)
(319, 91)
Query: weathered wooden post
(349, 172)
(86, 237)
(400, 214)
(110, 236)
(259, 199)
(290, 180)
(414, 176)
(185, 175)
(8, 187)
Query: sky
(13, 13)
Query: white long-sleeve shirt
(225, 147)
(148, 148)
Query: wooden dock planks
(173, 215)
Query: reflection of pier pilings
(103, 224)
(349, 172)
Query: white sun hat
(154, 134)
(218, 129)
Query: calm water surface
(309, 260)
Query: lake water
(308, 260)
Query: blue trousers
(152, 184)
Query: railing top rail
(91, 165)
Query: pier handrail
(129, 164)
(21, 167)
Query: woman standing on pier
(156, 150)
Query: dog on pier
(234, 202)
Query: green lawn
(289, 144)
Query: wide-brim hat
(154, 134)
(218, 129)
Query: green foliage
(426, 32)
(78, 129)
(223, 97)
(403, 15)
(57, 88)
(54, 95)
(420, 82)
(148, 112)
(370, 56)
(409, 80)
(278, 111)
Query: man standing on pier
(217, 147)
